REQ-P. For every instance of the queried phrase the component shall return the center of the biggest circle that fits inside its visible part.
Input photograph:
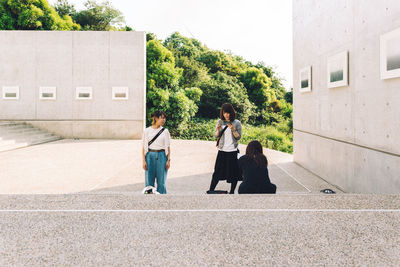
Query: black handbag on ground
(217, 192)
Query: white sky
(257, 30)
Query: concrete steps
(15, 135)
(223, 230)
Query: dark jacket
(255, 178)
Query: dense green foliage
(40, 15)
(270, 136)
(185, 78)
(180, 64)
(32, 15)
(99, 17)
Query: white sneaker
(149, 190)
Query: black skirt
(227, 167)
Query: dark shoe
(217, 192)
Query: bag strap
(223, 130)
(220, 134)
(157, 135)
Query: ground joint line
(193, 210)
(291, 176)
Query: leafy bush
(221, 89)
(198, 129)
(33, 15)
(268, 136)
(203, 129)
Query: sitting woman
(254, 166)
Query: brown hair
(254, 151)
(157, 114)
(228, 108)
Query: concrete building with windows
(347, 92)
(75, 84)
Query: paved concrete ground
(92, 213)
(76, 166)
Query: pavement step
(19, 134)
(120, 230)
(7, 142)
(9, 147)
(13, 127)
(7, 123)
(48, 139)
(132, 201)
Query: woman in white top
(156, 152)
(228, 131)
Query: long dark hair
(254, 151)
(228, 108)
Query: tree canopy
(99, 17)
(33, 15)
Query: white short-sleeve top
(229, 146)
(162, 142)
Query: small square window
(47, 93)
(83, 93)
(11, 92)
(120, 93)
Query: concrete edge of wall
(356, 169)
(93, 129)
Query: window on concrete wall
(11, 92)
(84, 93)
(47, 93)
(120, 93)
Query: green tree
(100, 17)
(150, 36)
(161, 70)
(163, 91)
(186, 52)
(183, 46)
(258, 86)
(32, 15)
(217, 61)
(194, 72)
(276, 82)
(194, 94)
(289, 96)
(63, 7)
(223, 88)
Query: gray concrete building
(75, 84)
(347, 92)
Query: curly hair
(157, 114)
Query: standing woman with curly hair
(228, 132)
(156, 152)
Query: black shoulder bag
(157, 135)
(220, 134)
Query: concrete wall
(347, 135)
(66, 60)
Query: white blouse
(228, 141)
(162, 142)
